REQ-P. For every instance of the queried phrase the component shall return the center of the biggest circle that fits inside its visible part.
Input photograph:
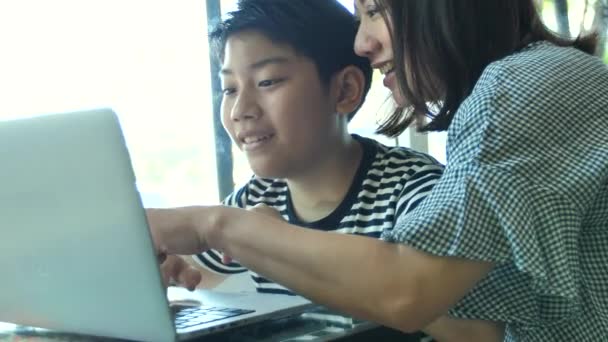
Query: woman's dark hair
(322, 30)
(443, 46)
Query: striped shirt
(526, 187)
(390, 182)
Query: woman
(512, 242)
(526, 181)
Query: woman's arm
(448, 329)
(391, 284)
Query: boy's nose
(245, 108)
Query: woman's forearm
(345, 272)
(391, 284)
(448, 329)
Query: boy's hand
(177, 272)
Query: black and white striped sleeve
(418, 186)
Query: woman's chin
(399, 99)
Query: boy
(291, 82)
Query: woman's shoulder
(543, 63)
(539, 82)
(532, 106)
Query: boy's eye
(228, 91)
(268, 83)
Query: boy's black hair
(322, 30)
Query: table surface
(315, 325)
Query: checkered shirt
(526, 187)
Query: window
(149, 61)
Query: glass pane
(148, 60)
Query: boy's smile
(254, 140)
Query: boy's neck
(320, 191)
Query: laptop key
(193, 316)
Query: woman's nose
(365, 44)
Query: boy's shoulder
(258, 190)
(386, 155)
(259, 185)
(391, 167)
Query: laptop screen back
(75, 252)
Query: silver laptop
(75, 250)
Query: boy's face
(275, 107)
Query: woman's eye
(372, 10)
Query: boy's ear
(349, 84)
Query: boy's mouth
(252, 142)
(255, 139)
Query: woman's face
(374, 42)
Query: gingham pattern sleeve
(526, 187)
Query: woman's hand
(260, 209)
(178, 272)
(178, 230)
(190, 230)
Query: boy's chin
(268, 173)
(267, 166)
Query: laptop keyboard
(198, 315)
